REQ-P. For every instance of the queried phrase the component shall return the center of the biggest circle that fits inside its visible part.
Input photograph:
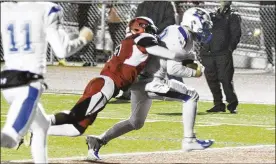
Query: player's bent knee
(194, 96)
(137, 124)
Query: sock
(39, 146)
(188, 117)
(61, 118)
(64, 130)
(116, 131)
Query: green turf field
(254, 125)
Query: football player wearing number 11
(26, 27)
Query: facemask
(205, 35)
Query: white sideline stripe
(202, 100)
(198, 123)
(147, 153)
(203, 123)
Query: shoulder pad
(146, 40)
(183, 32)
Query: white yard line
(197, 123)
(200, 123)
(146, 153)
(202, 100)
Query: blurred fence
(109, 20)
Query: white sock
(63, 130)
(188, 117)
(39, 146)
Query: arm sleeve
(165, 53)
(150, 44)
(168, 18)
(177, 69)
(235, 31)
(59, 40)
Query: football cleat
(94, 144)
(189, 144)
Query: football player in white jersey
(26, 27)
(195, 26)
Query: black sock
(62, 118)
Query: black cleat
(217, 108)
(232, 107)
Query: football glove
(86, 34)
(198, 67)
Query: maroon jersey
(129, 59)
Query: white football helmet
(198, 20)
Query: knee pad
(7, 141)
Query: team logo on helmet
(199, 21)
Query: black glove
(188, 61)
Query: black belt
(16, 78)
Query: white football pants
(24, 113)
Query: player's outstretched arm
(59, 40)
(150, 45)
(165, 53)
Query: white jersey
(26, 27)
(177, 39)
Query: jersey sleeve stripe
(183, 33)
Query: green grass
(254, 125)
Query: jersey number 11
(13, 44)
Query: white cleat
(189, 144)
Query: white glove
(86, 34)
(198, 67)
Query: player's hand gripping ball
(196, 66)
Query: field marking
(202, 123)
(197, 123)
(79, 92)
(146, 153)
